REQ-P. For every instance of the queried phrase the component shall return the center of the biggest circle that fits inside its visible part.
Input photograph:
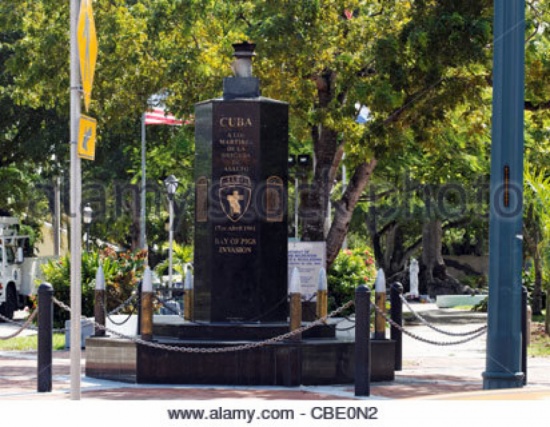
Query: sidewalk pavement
(429, 372)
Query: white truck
(19, 270)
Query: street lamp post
(503, 364)
(171, 184)
(87, 214)
(299, 164)
(291, 165)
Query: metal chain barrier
(425, 340)
(64, 306)
(163, 302)
(120, 323)
(200, 350)
(122, 306)
(272, 309)
(116, 310)
(26, 325)
(274, 340)
(349, 328)
(435, 328)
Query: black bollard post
(146, 319)
(139, 307)
(99, 302)
(524, 332)
(45, 337)
(396, 290)
(362, 341)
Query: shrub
(182, 258)
(122, 270)
(350, 269)
(481, 306)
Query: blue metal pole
(503, 364)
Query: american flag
(157, 116)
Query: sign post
(83, 56)
(76, 242)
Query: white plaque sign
(309, 258)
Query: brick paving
(429, 371)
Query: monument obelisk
(241, 175)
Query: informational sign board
(87, 48)
(309, 258)
(86, 138)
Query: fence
(362, 324)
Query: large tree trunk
(434, 279)
(375, 234)
(532, 237)
(344, 209)
(328, 155)
(135, 228)
(326, 148)
(314, 210)
(432, 258)
(537, 290)
(395, 251)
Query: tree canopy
(423, 69)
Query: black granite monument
(241, 177)
(240, 265)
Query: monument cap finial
(242, 65)
(244, 49)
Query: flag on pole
(157, 116)
(154, 116)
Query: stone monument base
(320, 358)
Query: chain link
(425, 340)
(122, 306)
(203, 350)
(273, 340)
(116, 310)
(167, 307)
(441, 331)
(26, 325)
(62, 305)
(348, 328)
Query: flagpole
(142, 235)
(164, 119)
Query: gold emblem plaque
(274, 199)
(235, 195)
(201, 200)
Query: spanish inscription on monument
(234, 152)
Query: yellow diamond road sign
(86, 137)
(87, 48)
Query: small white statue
(413, 278)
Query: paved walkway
(429, 371)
